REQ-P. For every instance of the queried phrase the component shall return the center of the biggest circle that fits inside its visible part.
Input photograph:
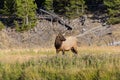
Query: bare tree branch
(54, 16)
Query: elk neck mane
(58, 43)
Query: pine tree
(9, 7)
(69, 8)
(49, 5)
(26, 10)
(113, 7)
(75, 8)
(60, 6)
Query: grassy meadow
(92, 63)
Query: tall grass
(90, 65)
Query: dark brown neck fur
(58, 43)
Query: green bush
(1, 25)
(114, 20)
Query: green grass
(89, 64)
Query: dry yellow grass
(22, 55)
(102, 49)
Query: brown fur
(65, 44)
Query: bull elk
(65, 44)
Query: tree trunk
(82, 8)
(27, 22)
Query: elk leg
(74, 51)
(57, 51)
(63, 52)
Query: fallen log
(55, 17)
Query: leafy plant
(1, 25)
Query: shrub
(114, 20)
(1, 25)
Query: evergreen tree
(9, 7)
(75, 8)
(8, 10)
(69, 8)
(113, 7)
(49, 5)
(26, 10)
(60, 6)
